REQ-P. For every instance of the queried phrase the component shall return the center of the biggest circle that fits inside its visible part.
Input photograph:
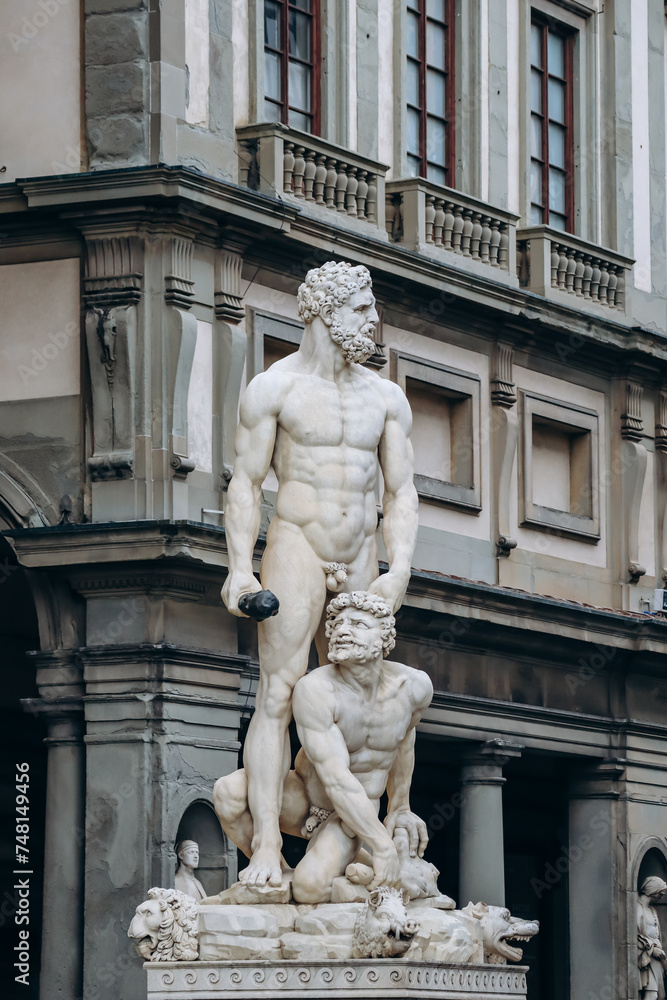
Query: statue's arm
(400, 502)
(325, 747)
(255, 440)
(400, 776)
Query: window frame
(315, 65)
(450, 86)
(547, 24)
(574, 421)
(261, 324)
(460, 387)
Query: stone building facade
(170, 171)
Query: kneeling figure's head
(360, 627)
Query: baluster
(320, 179)
(330, 184)
(494, 242)
(562, 267)
(475, 236)
(578, 273)
(288, 166)
(526, 262)
(503, 248)
(554, 264)
(438, 222)
(341, 186)
(448, 226)
(467, 232)
(595, 279)
(485, 239)
(390, 215)
(586, 280)
(371, 199)
(569, 271)
(362, 191)
(429, 215)
(351, 191)
(299, 168)
(604, 282)
(620, 287)
(457, 229)
(309, 175)
(611, 287)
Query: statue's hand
(236, 585)
(391, 588)
(415, 826)
(386, 866)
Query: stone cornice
(135, 194)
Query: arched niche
(654, 862)
(199, 823)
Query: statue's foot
(264, 869)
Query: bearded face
(353, 326)
(355, 637)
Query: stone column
(481, 864)
(62, 935)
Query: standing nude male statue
(356, 718)
(323, 422)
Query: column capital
(599, 781)
(495, 753)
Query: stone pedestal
(482, 865)
(356, 978)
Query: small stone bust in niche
(187, 852)
(652, 959)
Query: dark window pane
(557, 145)
(299, 86)
(436, 9)
(272, 24)
(271, 111)
(556, 220)
(298, 120)
(556, 54)
(536, 45)
(535, 215)
(412, 40)
(302, 4)
(436, 174)
(413, 132)
(300, 35)
(435, 93)
(272, 75)
(557, 191)
(435, 141)
(557, 101)
(435, 45)
(536, 91)
(536, 137)
(536, 183)
(413, 83)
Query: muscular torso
(325, 460)
(372, 730)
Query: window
(291, 58)
(560, 467)
(551, 147)
(445, 430)
(269, 339)
(430, 90)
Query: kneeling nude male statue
(324, 423)
(356, 719)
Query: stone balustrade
(421, 215)
(282, 161)
(554, 264)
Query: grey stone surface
(118, 38)
(114, 90)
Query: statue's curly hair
(331, 283)
(177, 939)
(363, 601)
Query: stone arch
(650, 859)
(23, 503)
(200, 823)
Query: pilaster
(504, 434)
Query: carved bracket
(228, 297)
(661, 423)
(179, 286)
(503, 389)
(110, 339)
(632, 425)
(113, 271)
(634, 476)
(504, 435)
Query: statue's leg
(230, 801)
(329, 853)
(292, 571)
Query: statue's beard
(359, 652)
(356, 347)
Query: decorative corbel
(181, 330)
(634, 464)
(504, 433)
(112, 288)
(661, 472)
(179, 286)
(230, 344)
(661, 423)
